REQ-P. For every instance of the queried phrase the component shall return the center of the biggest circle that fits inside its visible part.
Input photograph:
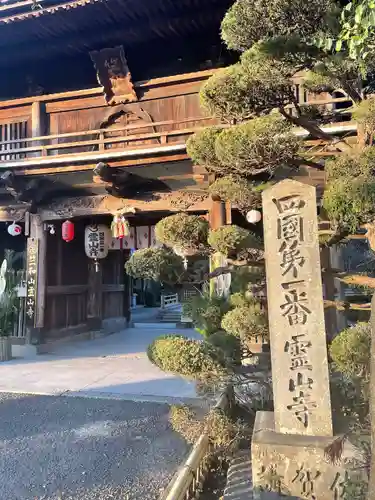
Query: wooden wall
(68, 284)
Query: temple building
(97, 101)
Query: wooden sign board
(31, 281)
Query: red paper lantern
(67, 231)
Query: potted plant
(8, 306)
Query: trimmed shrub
(248, 21)
(256, 85)
(350, 351)
(258, 146)
(190, 358)
(246, 322)
(182, 231)
(351, 165)
(229, 240)
(228, 346)
(201, 147)
(207, 312)
(349, 203)
(225, 95)
(156, 264)
(242, 194)
(364, 114)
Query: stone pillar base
(294, 466)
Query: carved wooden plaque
(113, 74)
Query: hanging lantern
(97, 241)
(67, 231)
(253, 216)
(14, 229)
(120, 227)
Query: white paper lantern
(97, 241)
(14, 229)
(253, 216)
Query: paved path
(72, 448)
(113, 366)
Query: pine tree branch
(341, 305)
(350, 278)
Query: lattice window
(11, 135)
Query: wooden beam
(145, 85)
(116, 162)
(106, 204)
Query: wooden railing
(21, 142)
(168, 300)
(100, 140)
(189, 479)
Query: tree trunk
(371, 488)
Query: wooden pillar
(337, 262)
(37, 123)
(37, 233)
(94, 300)
(329, 293)
(217, 218)
(218, 214)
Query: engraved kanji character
(291, 203)
(290, 227)
(302, 406)
(31, 291)
(295, 308)
(307, 479)
(340, 486)
(30, 312)
(292, 259)
(298, 349)
(301, 383)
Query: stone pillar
(288, 445)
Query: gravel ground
(71, 448)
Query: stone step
(239, 478)
(159, 325)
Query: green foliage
(201, 147)
(249, 21)
(351, 165)
(350, 203)
(182, 231)
(9, 299)
(317, 82)
(252, 87)
(228, 346)
(242, 194)
(229, 240)
(261, 145)
(350, 351)
(207, 311)
(225, 94)
(244, 277)
(156, 264)
(357, 30)
(238, 299)
(186, 357)
(248, 323)
(364, 113)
